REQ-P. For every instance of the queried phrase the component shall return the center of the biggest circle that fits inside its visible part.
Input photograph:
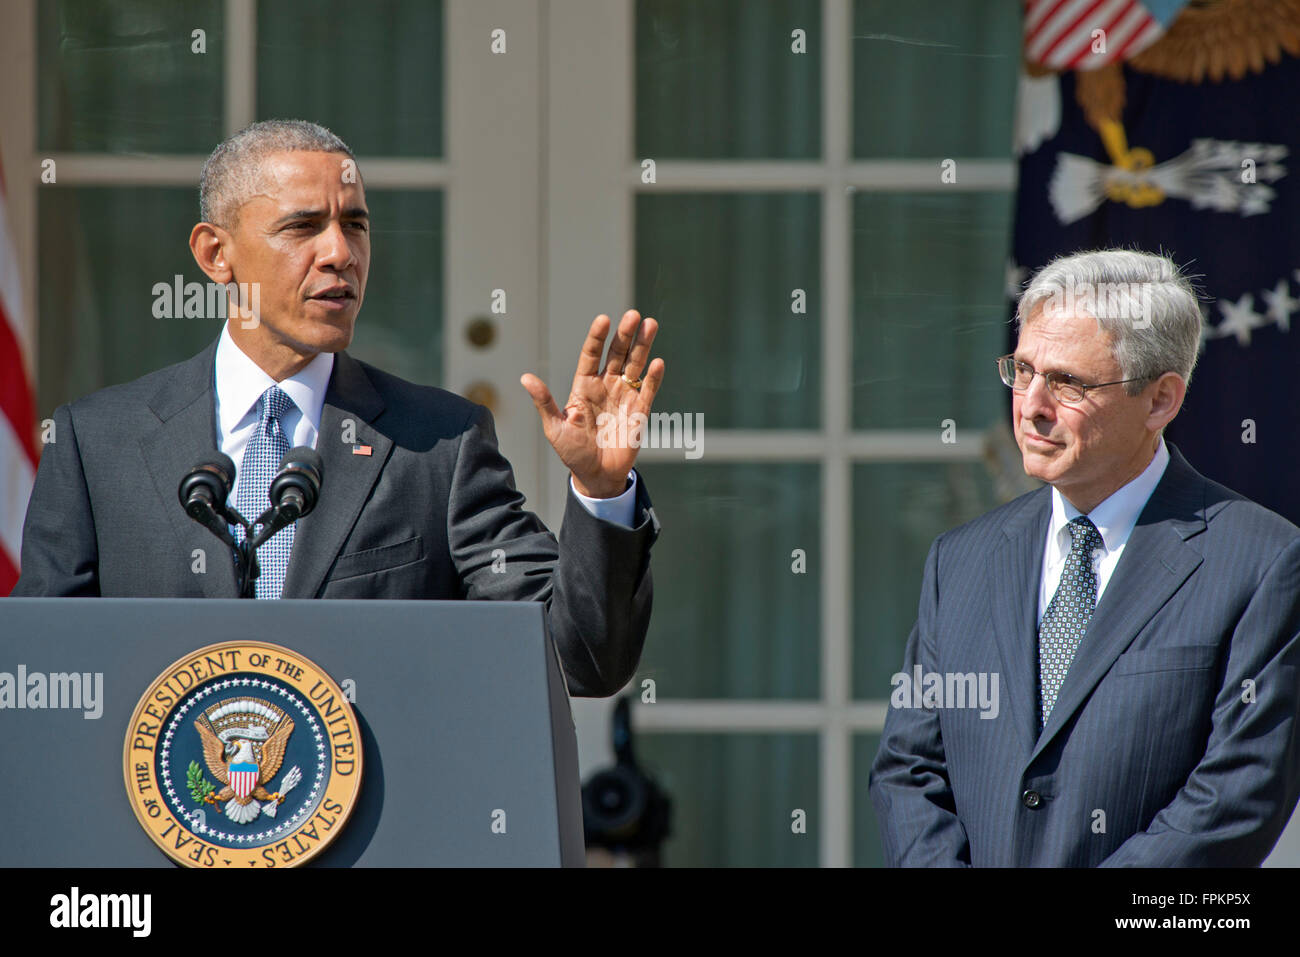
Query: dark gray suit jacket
(419, 518)
(1174, 740)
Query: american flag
(1059, 33)
(17, 410)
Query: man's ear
(1167, 394)
(208, 243)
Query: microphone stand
(246, 567)
(204, 489)
(273, 520)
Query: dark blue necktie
(1069, 612)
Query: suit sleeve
(60, 554)
(909, 783)
(1238, 798)
(595, 580)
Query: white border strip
(919, 175)
(241, 64)
(712, 716)
(98, 169)
(901, 445)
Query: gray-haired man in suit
(1143, 621)
(417, 502)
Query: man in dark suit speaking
(416, 501)
(1138, 622)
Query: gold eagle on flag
(1209, 39)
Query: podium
(468, 743)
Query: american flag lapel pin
(362, 450)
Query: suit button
(1031, 799)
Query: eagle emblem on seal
(244, 740)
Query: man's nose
(1038, 401)
(334, 249)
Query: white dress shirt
(241, 381)
(1115, 519)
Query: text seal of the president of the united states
(243, 754)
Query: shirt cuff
(618, 509)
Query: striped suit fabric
(1174, 739)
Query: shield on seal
(243, 778)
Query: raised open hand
(579, 433)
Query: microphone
(293, 493)
(203, 492)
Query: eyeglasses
(1063, 386)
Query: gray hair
(232, 172)
(1147, 307)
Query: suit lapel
(1156, 562)
(1016, 567)
(187, 432)
(346, 480)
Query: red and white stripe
(17, 409)
(243, 782)
(1058, 33)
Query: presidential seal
(243, 754)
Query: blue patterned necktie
(1069, 612)
(266, 449)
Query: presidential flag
(1187, 147)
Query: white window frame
(489, 179)
(594, 176)
(540, 202)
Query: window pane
(898, 510)
(722, 79)
(733, 796)
(929, 308)
(97, 325)
(399, 328)
(122, 76)
(867, 850)
(722, 273)
(372, 74)
(101, 252)
(935, 78)
(731, 618)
